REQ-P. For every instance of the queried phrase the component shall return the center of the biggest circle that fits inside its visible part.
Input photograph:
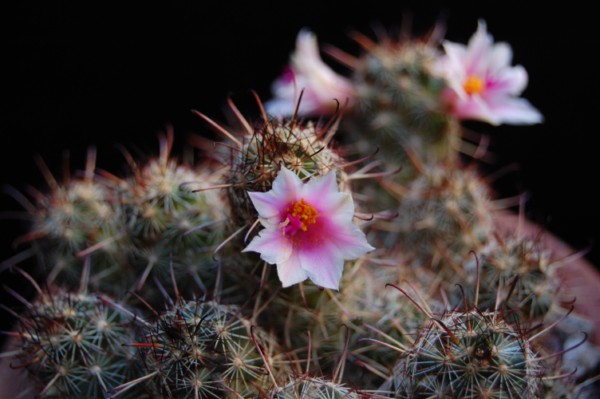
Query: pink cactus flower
(481, 83)
(307, 71)
(308, 229)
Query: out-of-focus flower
(307, 72)
(481, 83)
(308, 229)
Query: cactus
(203, 349)
(522, 264)
(131, 227)
(75, 215)
(305, 380)
(171, 219)
(471, 351)
(398, 103)
(71, 343)
(444, 214)
(313, 388)
(470, 354)
(307, 150)
(241, 238)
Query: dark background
(75, 76)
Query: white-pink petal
(323, 193)
(351, 242)
(323, 266)
(291, 271)
(511, 81)
(472, 107)
(478, 49)
(455, 53)
(499, 58)
(515, 111)
(340, 208)
(286, 187)
(272, 246)
(267, 205)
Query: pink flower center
(473, 85)
(299, 215)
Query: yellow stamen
(305, 212)
(474, 85)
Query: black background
(75, 76)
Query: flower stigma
(473, 85)
(300, 215)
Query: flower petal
(455, 53)
(291, 272)
(323, 266)
(266, 204)
(285, 188)
(511, 81)
(320, 190)
(323, 193)
(341, 208)
(349, 240)
(287, 184)
(500, 57)
(272, 245)
(517, 111)
(474, 107)
(477, 50)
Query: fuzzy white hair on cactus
(307, 73)
(308, 230)
(482, 85)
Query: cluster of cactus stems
(161, 282)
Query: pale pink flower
(308, 229)
(307, 71)
(481, 83)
